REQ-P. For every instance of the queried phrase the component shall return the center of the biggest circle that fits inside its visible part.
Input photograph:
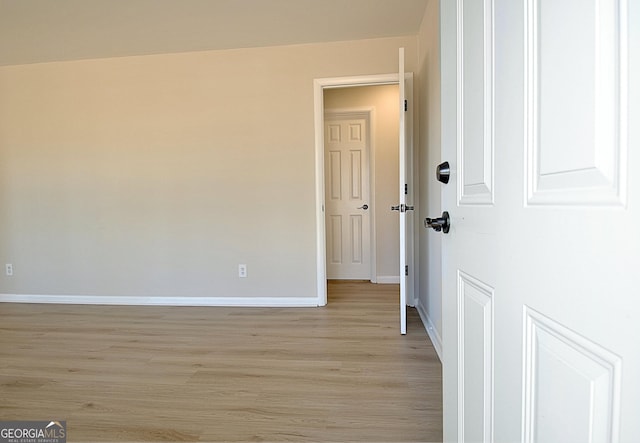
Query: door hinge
(406, 105)
(406, 189)
(406, 270)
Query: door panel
(357, 255)
(335, 174)
(356, 164)
(540, 305)
(347, 183)
(567, 376)
(579, 158)
(334, 235)
(475, 345)
(475, 86)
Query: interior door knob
(438, 224)
(365, 207)
(402, 208)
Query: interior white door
(405, 191)
(541, 310)
(347, 222)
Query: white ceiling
(33, 31)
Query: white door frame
(368, 114)
(319, 85)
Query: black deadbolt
(443, 171)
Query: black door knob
(438, 224)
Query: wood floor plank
(141, 374)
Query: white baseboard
(266, 302)
(388, 279)
(432, 332)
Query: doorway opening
(361, 176)
(326, 89)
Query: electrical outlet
(8, 268)
(242, 271)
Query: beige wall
(158, 175)
(384, 101)
(429, 241)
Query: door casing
(319, 85)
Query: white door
(405, 207)
(347, 198)
(541, 309)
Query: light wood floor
(340, 373)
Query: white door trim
(319, 85)
(369, 114)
